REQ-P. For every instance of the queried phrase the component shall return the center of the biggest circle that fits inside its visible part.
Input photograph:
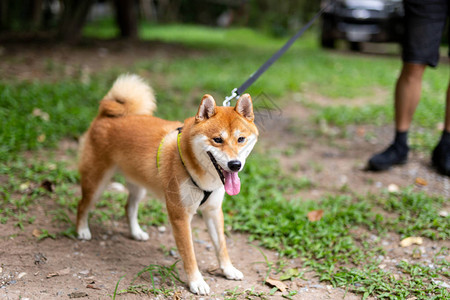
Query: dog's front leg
(213, 217)
(180, 219)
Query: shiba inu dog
(190, 165)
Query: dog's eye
(218, 140)
(241, 139)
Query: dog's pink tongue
(232, 183)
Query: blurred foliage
(275, 17)
(280, 17)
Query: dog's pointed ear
(207, 108)
(244, 107)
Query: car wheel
(355, 46)
(326, 41)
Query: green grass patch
(28, 182)
(36, 115)
(32, 181)
(167, 277)
(329, 246)
(416, 215)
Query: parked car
(358, 21)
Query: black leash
(238, 91)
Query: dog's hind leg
(137, 193)
(93, 182)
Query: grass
(166, 276)
(37, 115)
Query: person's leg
(407, 96)
(447, 111)
(441, 154)
(424, 24)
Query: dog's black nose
(234, 165)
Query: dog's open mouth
(230, 180)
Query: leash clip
(228, 99)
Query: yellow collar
(158, 153)
(179, 145)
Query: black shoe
(395, 154)
(441, 158)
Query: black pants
(424, 24)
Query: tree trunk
(3, 15)
(73, 18)
(126, 16)
(148, 10)
(36, 14)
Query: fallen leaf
(54, 274)
(36, 233)
(315, 215)
(421, 181)
(91, 286)
(41, 138)
(62, 272)
(177, 295)
(411, 241)
(276, 283)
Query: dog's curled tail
(129, 95)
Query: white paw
(84, 234)
(231, 272)
(199, 287)
(140, 235)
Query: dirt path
(54, 269)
